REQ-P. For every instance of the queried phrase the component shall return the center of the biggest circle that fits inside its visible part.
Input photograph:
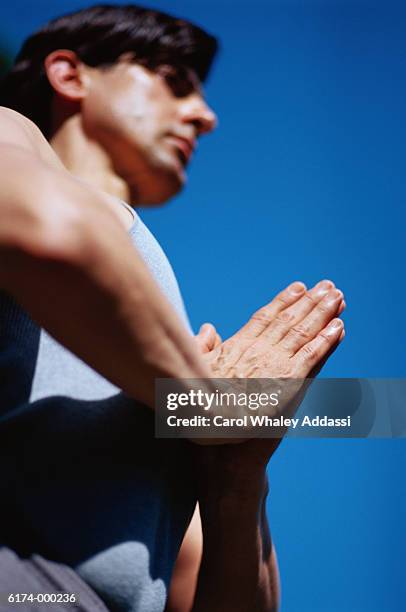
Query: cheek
(98, 111)
(134, 115)
(109, 102)
(120, 111)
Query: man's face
(148, 123)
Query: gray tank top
(84, 479)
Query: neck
(86, 158)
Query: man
(84, 314)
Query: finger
(262, 318)
(218, 341)
(292, 315)
(316, 370)
(317, 319)
(312, 354)
(341, 307)
(206, 338)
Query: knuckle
(283, 299)
(252, 357)
(262, 315)
(310, 298)
(288, 371)
(324, 307)
(300, 331)
(223, 354)
(310, 352)
(284, 317)
(325, 338)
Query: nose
(197, 112)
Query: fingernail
(325, 284)
(334, 296)
(297, 288)
(323, 287)
(334, 325)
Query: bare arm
(238, 571)
(83, 283)
(186, 572)
(89, 288)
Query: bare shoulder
(19, 131)
(16, 129)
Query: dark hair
(99, 35)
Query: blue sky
(304, 179)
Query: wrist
(228, 485)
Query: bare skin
(123, 130)
(302, 328)
(49, 247)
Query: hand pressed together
(290, 338)
(287, 338)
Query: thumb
(206, 338)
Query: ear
(65, 74)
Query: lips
(185, 146)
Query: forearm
(238, 571)
(79, 276)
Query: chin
(161, 189)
